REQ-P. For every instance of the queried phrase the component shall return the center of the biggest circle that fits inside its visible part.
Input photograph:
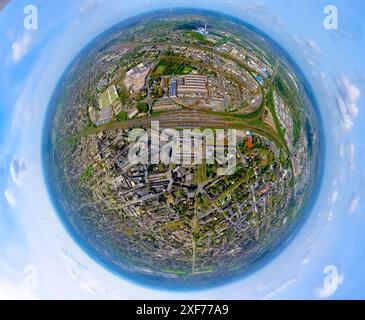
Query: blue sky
(38, 259)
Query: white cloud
(262, 12)
(347, 98)
(257, 7)
(348, 150)
(272, 20)
(21, 46)
(280, 289)
(85, 279)
(310, 48)
(10, 197)
(17, 167)
(351, 155)
(306, 259)
(11, 290)
(354, 203)
(334, 196)
(330, 216)
(311, 62)
(313, 46)
(89, 5)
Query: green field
(122, 116)
(108, 97)
(160, 70)
(175, 272)
(187, 70)
(168, 68)
(198, 37)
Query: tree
(142, 107)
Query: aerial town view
(179, 218)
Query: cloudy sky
(38, 259)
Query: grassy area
(202, 202)
(71, 142)
(142, 107)
(187, 70)
(122, 116)
(223, 40)
(200, 173)
(181, 61)
(198, 37)
(108, 96)
(257, 114)
(297, 127)
(124, 96)
(266, 157)
(87, 174)
(175, 225)
(285, 88)
(204, 270)
(168, 67)
(160, 70)
(232, 188)
(271, 106)
(176, 272)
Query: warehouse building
(193, 86)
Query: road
(192, 119)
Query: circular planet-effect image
(181, 148)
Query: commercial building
(193, 86)
(173, 89)
(135, 78)
(105, 116)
